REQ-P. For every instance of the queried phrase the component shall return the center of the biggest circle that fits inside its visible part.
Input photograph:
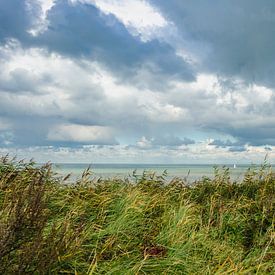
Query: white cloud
(137, 15)
(82, 134)
(144, 143)
(42, 22)
(76, 95)
(161, 112)
(68, 82)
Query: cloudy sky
(151, 81)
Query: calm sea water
(194, 172)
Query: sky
(138, 81)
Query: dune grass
(140, 225)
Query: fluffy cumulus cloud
(156, 81)
(81, 133)
(139, 17)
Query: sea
(189, 172)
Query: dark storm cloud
(234, 38)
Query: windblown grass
(136, 226)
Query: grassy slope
(117, 227)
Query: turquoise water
(193, 172)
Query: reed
(140, 225)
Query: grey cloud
(255, 135)
(6, 138)
(233, 146)
(30, 130)
(171, 141)
(162, 141)
(233, 38)
(34, 131)
(237, 149)
(81, 30)
(16, 18)
(235, 110)
(227, 143)
(21, 80)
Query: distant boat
(234, 166)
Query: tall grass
(135, 226)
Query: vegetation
(140, 225)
